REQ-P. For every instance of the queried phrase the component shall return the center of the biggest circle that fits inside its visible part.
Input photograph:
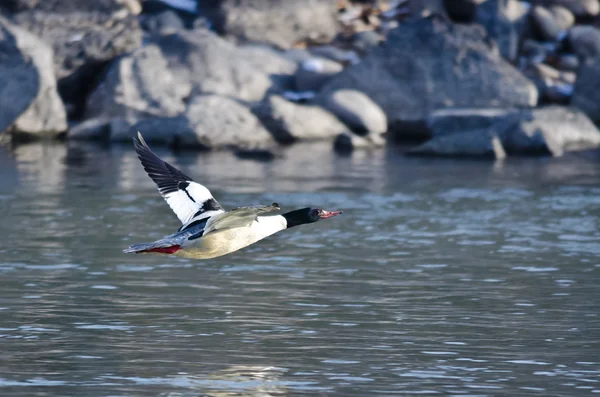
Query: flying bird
(207, 230)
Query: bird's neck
(295, 218)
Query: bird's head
(308, 215)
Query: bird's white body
(226, 241)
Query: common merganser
(207, 230)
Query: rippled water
(443, 277)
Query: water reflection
(443, 278)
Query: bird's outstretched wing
(188, 199)
(237, 217)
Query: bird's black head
(307, 215)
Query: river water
(443, 277)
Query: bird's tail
(157, 247)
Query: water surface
(443, 277)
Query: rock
(580, 8)
(356, 110)
(212, 65)
(585, 41)
(552, 23)
(335, 54)
(297, 55)
(280, 69)
(428, 64)
(345, 142)
(365, 41)
(586, 95)
(315, 72)
(474, 143)
(278, 23)
(552, 129)
(505, 22)
(117, 8)
(83, 43)
(549, 130)
(137, 86)
(168, 131)
(165, 22)
(289, 122)
(452, 121)
(220, 122)
(29, 101)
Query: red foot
(164, 250)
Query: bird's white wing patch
(188, 199)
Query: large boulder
(210, 122)
(550, 130)
(85, 36)
(451, 121)
(313, 73)
(213, 65)
(220, 122)
(428, 64)
(29, 101)
(275, 22)
(473, 143)
(289, 122)
(137, 86)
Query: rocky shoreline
(484, 78)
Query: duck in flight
(207, 230)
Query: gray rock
(117, 8)
(473, 143)
(334, 53)
(289, 122)
(137, 86)
(220, 122)
(297, 55)
(429, 64)
(168, 131)
(549, 130)
(212, 65)
(29, 101)
(585, 41)
(346, 142)
(82, 41)
(165, 22)
(586, 95)
(552, 23)
(356, 110)
(274, 63)
(365, 41)
(278, 23)
(580, 8)
(315, 72)
(452, 121)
